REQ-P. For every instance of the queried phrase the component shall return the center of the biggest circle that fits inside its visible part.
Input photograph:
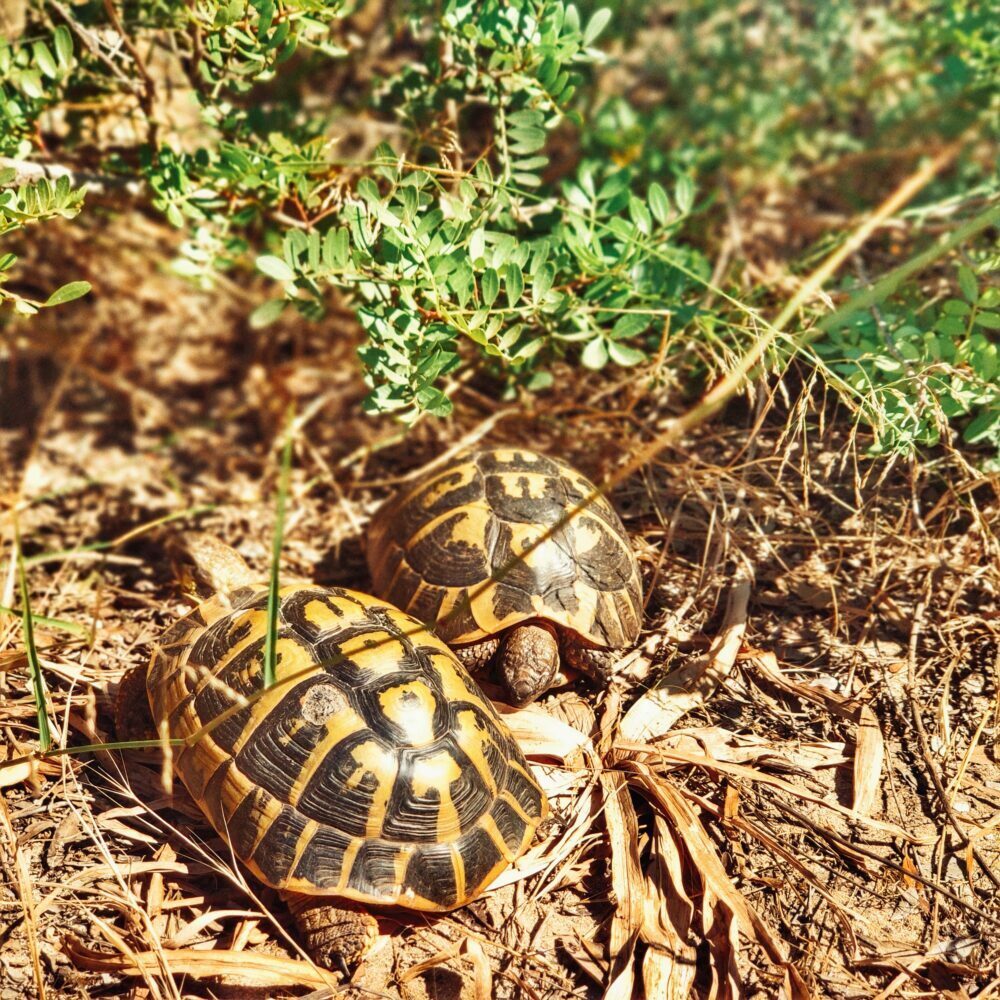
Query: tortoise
(446, 551)
(373, 773)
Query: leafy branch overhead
(479, 184)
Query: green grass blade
(59, 623)
(271, 640)
(34, 667)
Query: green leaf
(629, 325)
(967, 283)
(544, 278)
(266, 313)
(595, 354)
(31, 651)
(277, 541)
(951, 326)
(68, 292)
(983, 427)
(43, 59)
(490, 283)
(956, 307)
(275, 267)
(526, 117)
(623, 354)
(64, 47)
(514, 283)
(659, 203)
(527, 139)
(988, 320)
(30, 82)
(684, 194)
(597, 23)
(477, 245)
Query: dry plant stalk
(235, 967)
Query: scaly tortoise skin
(373, 772)
(445, 551)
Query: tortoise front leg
(595, 663)
(477, 657)
(336, 934)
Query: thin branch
(30, 172)
(149, 88)
(94, 46)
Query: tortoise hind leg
(336, 934)
(133, 719)
(595, 663)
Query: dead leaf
(670, 963)
(764, 664)
(538, 734)
(868, 757)
(627, 882)
(725, 912)
(17, 771)
(692, 685)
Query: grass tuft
(34, 666)
(271, 641)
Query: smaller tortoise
(373, 773)
(447, 551)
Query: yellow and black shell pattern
(374, 769)
(447, 549)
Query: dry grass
(792, 788)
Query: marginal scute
(371, 763)
(491, 541)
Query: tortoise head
(529, 660)
(204, 565)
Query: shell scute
(370, 762)
(497, 538)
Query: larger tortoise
(497, 552)
(373, 772)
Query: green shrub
(526, 204)
(918, 370)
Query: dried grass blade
(245, 967)
(55, 623)
(446, 954)
(482, 974)
(661, 752)
(192, 930)
(717, 884)
(765, 664)
(19, 863)
(868, 758)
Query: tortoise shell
(374, 769)
(447, 549)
